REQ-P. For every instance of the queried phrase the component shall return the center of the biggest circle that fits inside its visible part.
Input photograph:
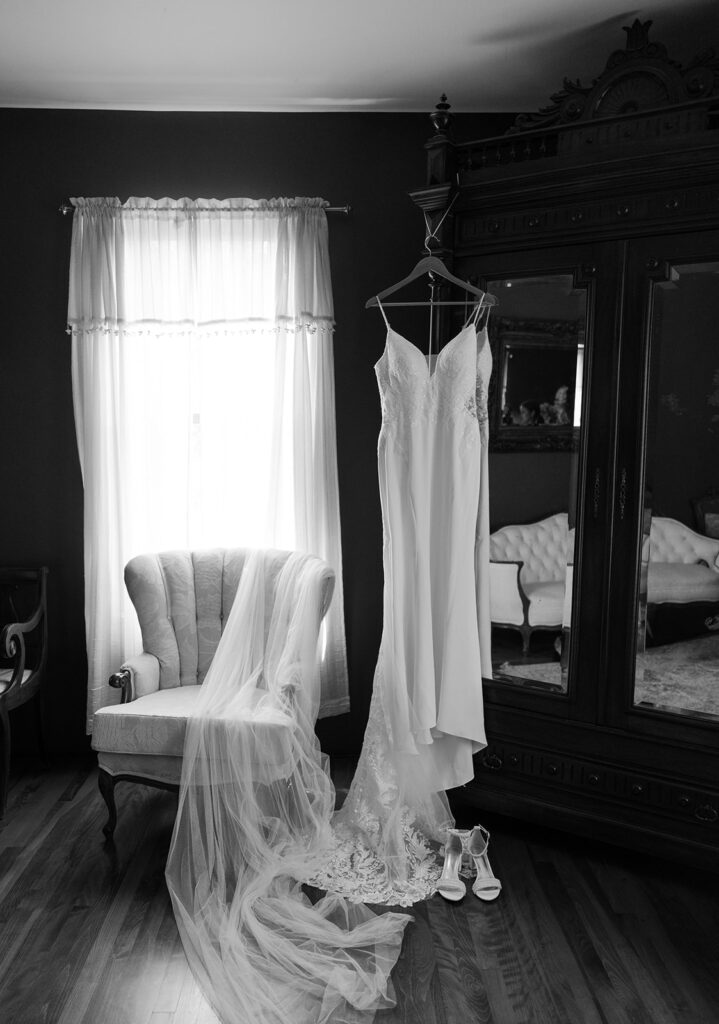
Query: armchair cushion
(153, 723)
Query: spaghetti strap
(473, 318)
(381, 309)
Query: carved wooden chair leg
(526, 632)
(4, 757)
(106, 782)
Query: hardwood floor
(582, 933)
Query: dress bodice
(453, 388)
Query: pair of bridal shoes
(471, 846)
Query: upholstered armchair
(528, 575)
(182, 600)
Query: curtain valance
(164, 264)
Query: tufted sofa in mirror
(182, 600)
(683, 564)
(530, 571)
(527, 575)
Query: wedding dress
(255, 818)
(426, 716)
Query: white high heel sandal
(486, 887)
(449, 884)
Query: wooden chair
(23, 654)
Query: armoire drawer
(664, 796)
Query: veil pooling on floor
(253, 824)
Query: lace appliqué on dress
(378, 851)
(352, 869)
(477, 407)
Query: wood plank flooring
(582, 933)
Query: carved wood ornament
(641, 77)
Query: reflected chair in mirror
(528, 575)
(23, 655)
(182, 600)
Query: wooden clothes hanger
(432, 265)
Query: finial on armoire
(637, 34)
(440, 116)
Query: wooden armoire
(595, 222)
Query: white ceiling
(394, 55)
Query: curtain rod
(66, 208)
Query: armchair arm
(508, 600)
(122, 680)
(137, 677)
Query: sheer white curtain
(203, 390)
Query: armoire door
(553, 337)
(663, 658)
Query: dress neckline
(431, 373)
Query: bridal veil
(253, 824)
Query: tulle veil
(254, 825)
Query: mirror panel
(677, 656)
(535, 409)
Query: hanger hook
(433, 233)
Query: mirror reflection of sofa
(682, 581)
(530, 587)
(528, 570)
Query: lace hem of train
(382, 848)
(352, 869)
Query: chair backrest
(183, 599)
(542, 546)
(23, 623)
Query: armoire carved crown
(642, 99)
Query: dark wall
(527, 486)
(684, 441)
(367, 160)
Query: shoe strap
(465, 836)
(487, 882)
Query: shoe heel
(486, 887)
(449, 884)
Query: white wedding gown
(255, 817)
(427, 715)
